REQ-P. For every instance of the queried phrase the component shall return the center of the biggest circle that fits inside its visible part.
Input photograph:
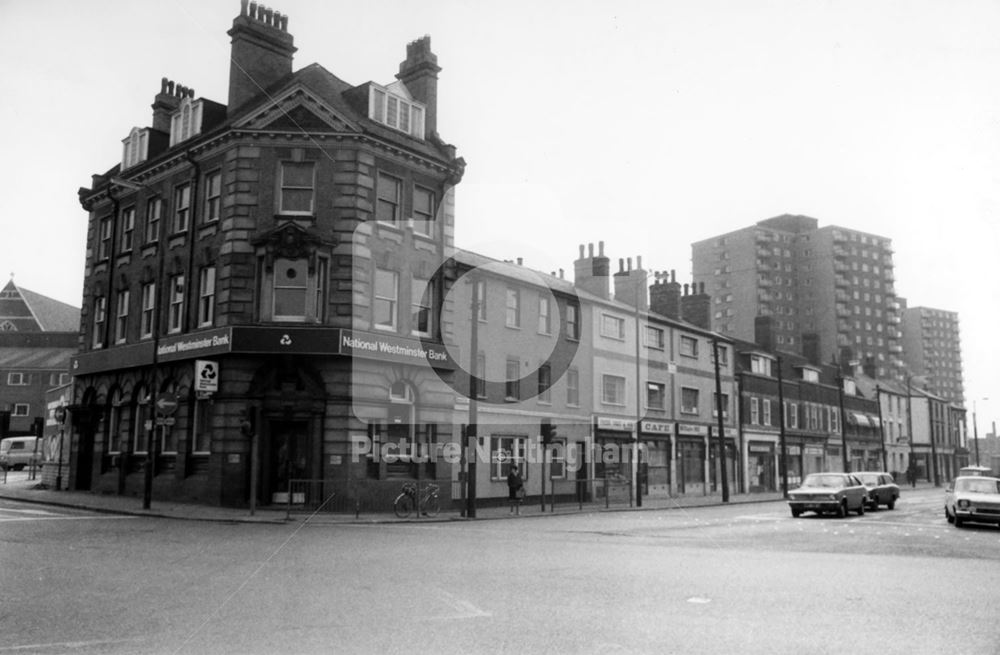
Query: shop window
(504, 451)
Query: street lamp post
(909, 429)
(975, 429)
(719, 412)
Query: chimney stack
(630, 284)
(261, 53)
(420, 75)
(592, 273)
(696, 307)
(665, 295)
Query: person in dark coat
(514, 488)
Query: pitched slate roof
(22, 310)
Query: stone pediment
(297, 110)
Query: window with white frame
(392, 106)
(612, 327)
(723, 354)
(421, 306)
(185, 121)
(513, 308)
(18, 379)
(148, 309)
(504, 451)
(175, 313)
(135, 147)
(100, 312)
(512, 386)
(21, 409)
(792, 415)
(298, 183)
(294, 292)
(423, 210)
(154, 212)
(654, 337)
(388, 205)
(290, 289)
(760, 365)
(386, 299)
(557, 460)
(656, 395)
(754, 411)
(213, 197)
(834, 419)
(725, 405)
(689, 346)
(182, 208)
(766, 406)
(544, 315)
(544, 383)
(121, 319)
(612, 389)
(128, 228)
(572, 321)
(104, 238)
(689, 400)
(572, 387)
(206, 296)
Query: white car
(972, 498)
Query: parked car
(837, 493)
(18, 452)
(972, 498)
(882, 489)
(974, 470)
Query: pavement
(18, 486)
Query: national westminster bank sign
(267, 341)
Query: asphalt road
(739, 579)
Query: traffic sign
(166, 404)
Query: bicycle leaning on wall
(410, 500)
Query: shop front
(654, 471)
(692, 459)
(761, 474)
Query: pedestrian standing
(515, 489)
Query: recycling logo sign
(206, 376)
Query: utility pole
(843, 424)
(881, 426)
(783, 464)
(472, 440)
(719, 412)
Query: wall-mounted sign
(206, 376)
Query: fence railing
(359, 496)
(365, 496)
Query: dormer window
(393, 106)
(809, 374)
(185, 121)
(135, 147)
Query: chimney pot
(638, 262)
(590, 249)
(600, 248)
(581, 251)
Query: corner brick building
(265, 280)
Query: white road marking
(64, 644)
(63, 518)
(462, 609)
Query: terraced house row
(272, 293)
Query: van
(18, 452)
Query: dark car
(882, 489)
(837, 493)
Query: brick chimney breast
(262, 52)
(419, 72)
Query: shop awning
(859, 419)
(875, 423)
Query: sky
(645, 124)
